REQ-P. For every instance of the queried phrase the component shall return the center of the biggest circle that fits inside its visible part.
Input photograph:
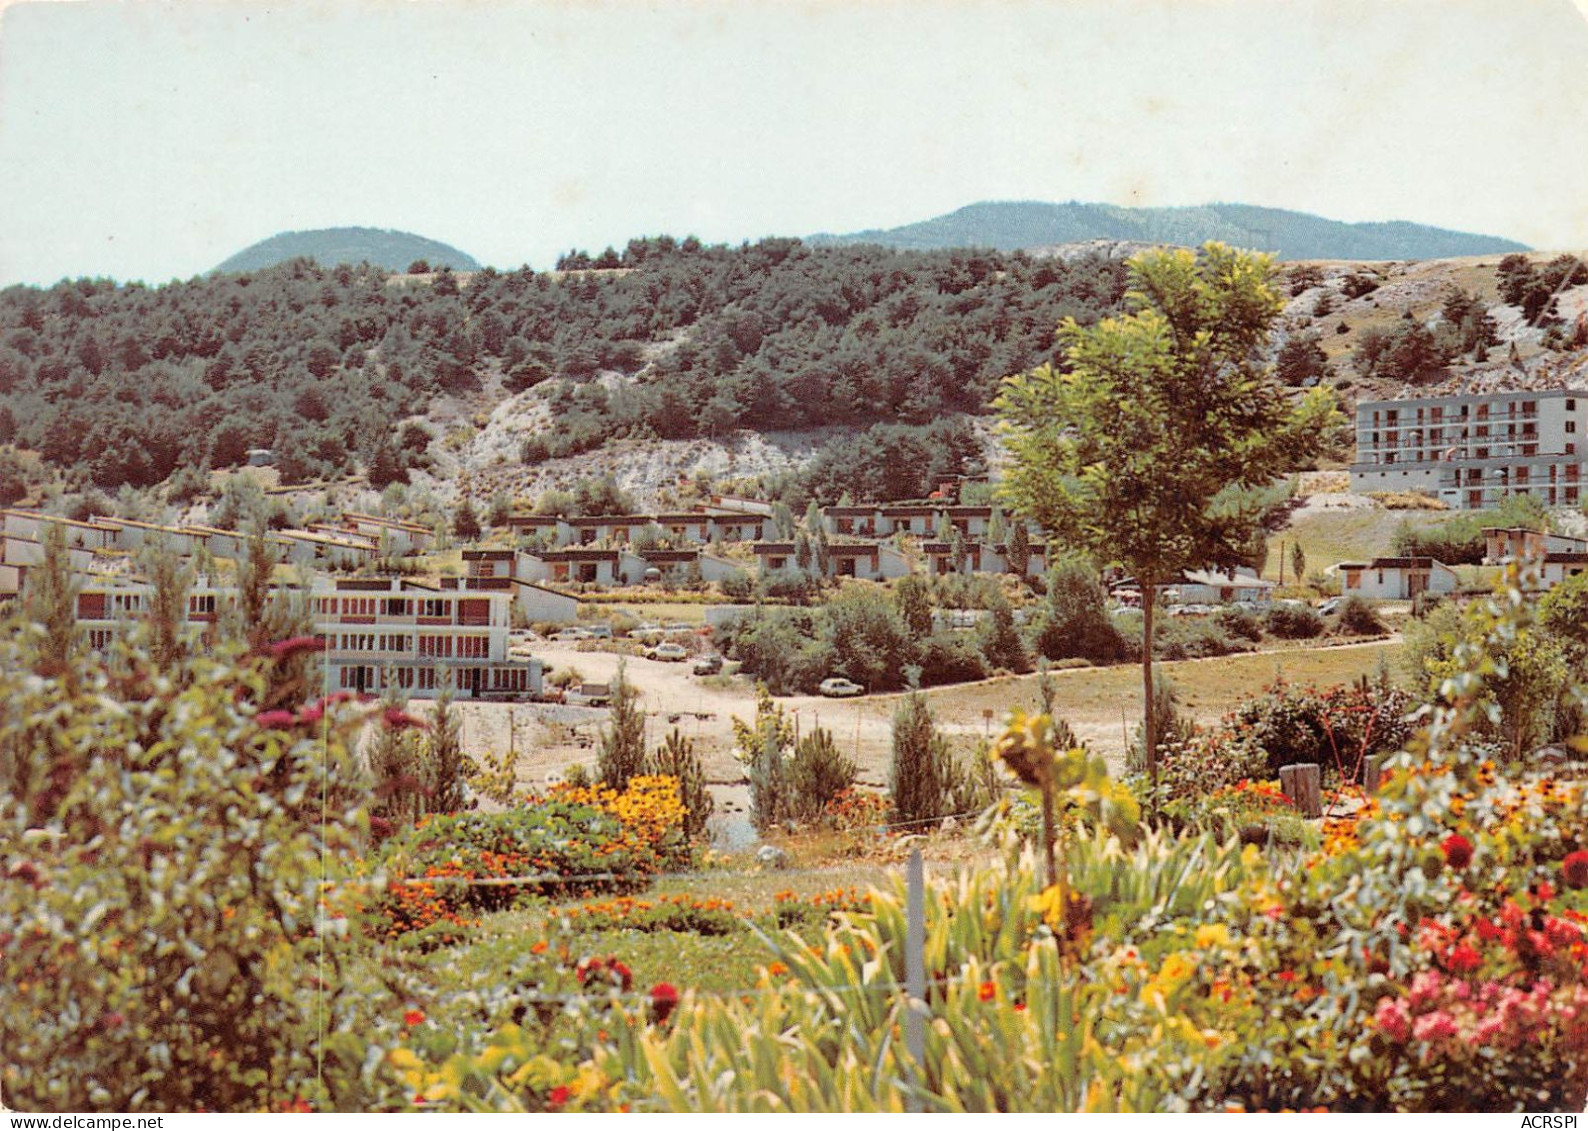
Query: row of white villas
(922, 520)
(377, 632)
(1474, 451)
(1552, 557)
(359, 539)
(698, 528)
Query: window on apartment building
(1571, 404)
(435, 607)
(397, 606)
(474, 647)
(1571, 426)
(438, 646)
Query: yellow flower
(1213, 934)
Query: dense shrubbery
(127, 384)
(1293, 622)
(1459, 540)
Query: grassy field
(1103, 705)
(1332, 536)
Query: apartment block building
(420, 637)
(1474, 451)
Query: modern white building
(1396, 579)
(1474, 451)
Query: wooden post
(1373, 772)
(915, 969)
(1301, 783)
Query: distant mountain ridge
(1037, 226)
(395, 251)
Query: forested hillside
(124, 384)
(395, 251)
(1012, 225)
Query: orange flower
(413, 1017)
(538, 948)
(986, 992)
(777, 969)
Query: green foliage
(622, 752)
(49, 599)
(676, 758)
(444, 755)
(817, 773)
(1293, 622)
(919, 776)
(1357, 618)
(765, 750)
(1000, 639)
(1301, 362)
(163, 849)
(465, 523)
(912, 599)
(1074, 619)
(1239, 621)
(1459, 540)
(870, 644)
(1132, 453)
(1336, 727)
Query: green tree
(1301, 361)
(919, 776)
(676, 758)
(1298, 562)
(465, 523)
(817, 773)
(1000, 639)
(444, 742)
(1075, 620)
(49, 599)
(1131, 451)
(912, 599)
(622, 754)
(171, 579)
(1017, 554)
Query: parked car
(1193, 610)
(668, 652)
(570, 634)
(1331, 606)
(835, 687)
(708, 665)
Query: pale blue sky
(151, 141)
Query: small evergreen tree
(913, 600)
(818, 773)
(622, 754)
(171, 580)
(921, 767)
(1000, 639)
(398, 763)
(676, 758)
(465, 523)
(444, 742)
(1298, 562)
(50, 599)
(1017, 553)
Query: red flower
(986, 991)
(275, 720)
(558, 1096)
(311, 714)
(1575, 869)
(283, 649)
(1458, 850)
(398, 719)
(413, 1017)
(664, 999)
(1464, 959)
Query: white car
(836, 687)
(1331, 606)
(571, 634)
(668, 652)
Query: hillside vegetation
(395, 251)
(1032, 225)
(124, 384)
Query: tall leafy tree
(1134, 449)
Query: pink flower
(1393, 1019)
(311, 714)
(1435, 1026)
(1425, 987)
(275, 720)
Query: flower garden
(197, 915)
